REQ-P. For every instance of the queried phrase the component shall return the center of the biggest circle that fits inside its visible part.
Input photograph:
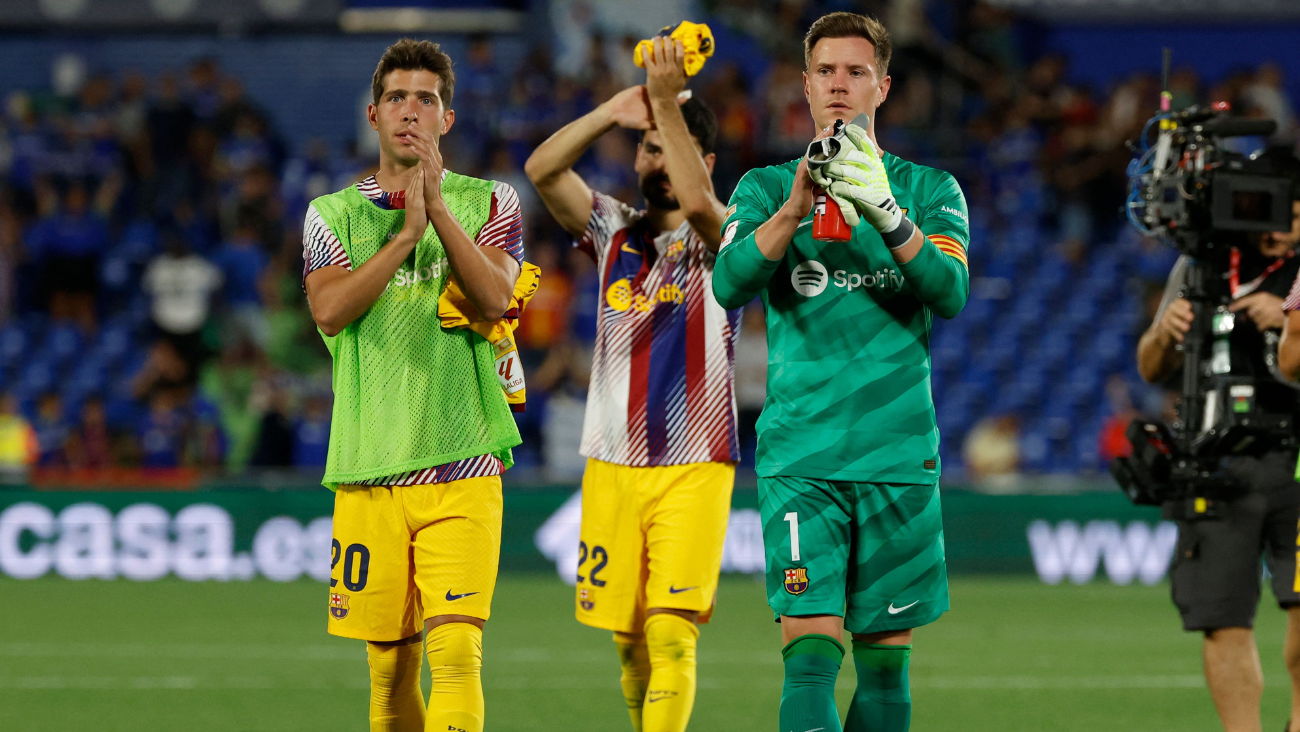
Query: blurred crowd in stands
(151, 310)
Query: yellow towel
(452, 309)
(696, 39)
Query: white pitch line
(1184, 681)
(551, 683)
(322, 652)
(154, 683)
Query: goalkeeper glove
(821, 153)
(849, 167)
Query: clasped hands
(848, 167)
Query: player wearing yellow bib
(421, 429)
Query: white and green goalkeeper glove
(821, 155)
(848, 166)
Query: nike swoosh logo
(896, 610)
(674, 590)
(800, 226)
(453, 598)
(627, 248)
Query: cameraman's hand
(1264, 309)
(1177, 320)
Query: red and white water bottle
(828, 220)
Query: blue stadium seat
(139, 241)
(14, 343)
(978, 310)
(37, 377)
(114, 342)
(90, 376)
(63, 343)
(1029, 312)
(1081, 310)
(1086, 444)
(122, 412)
(1052, 351)
(1034, 447)
(1110, 347)
(115, 272)
(950, 345)
(1052, 273)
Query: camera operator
(1216, 570)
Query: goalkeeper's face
(410, 98)
(842, 82)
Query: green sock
(812, 663)
(882, 702)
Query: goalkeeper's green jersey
(848, 329)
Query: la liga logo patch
(796, 580)
(338, 605)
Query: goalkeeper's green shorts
(870, 552)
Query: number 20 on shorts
(356, 560)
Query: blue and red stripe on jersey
(661, 387)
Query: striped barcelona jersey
(661, 376)
(504, 229)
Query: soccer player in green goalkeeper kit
(848, 459)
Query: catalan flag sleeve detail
(949, 246)
(939, 274)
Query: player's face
(841, 81)
(410, 98)
(652, 172)
(1278, 243)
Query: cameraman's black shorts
(1216, 568)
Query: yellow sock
(455, 653)
(670, 696)
(396, 702)
(634, 657)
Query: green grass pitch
(170, 655)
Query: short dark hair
(701, 122)
(850, 25)
(409, 54)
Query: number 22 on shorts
(793, 519)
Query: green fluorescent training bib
(409, 395)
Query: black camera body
(1192, 190)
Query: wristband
(900, 235)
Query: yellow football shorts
(651, 538)
(403, 554)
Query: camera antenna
(1166, 96)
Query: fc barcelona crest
(796, 580)
(584, 599)
(675, 250)
(338, 605)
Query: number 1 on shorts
(793, 518)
